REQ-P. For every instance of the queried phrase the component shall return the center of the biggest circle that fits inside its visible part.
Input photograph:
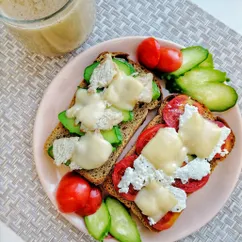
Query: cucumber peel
(122, 227)
(216, 96)
(69, 123)
(155, 91)
(192, 56)
(98, 224)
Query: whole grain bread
(108, 184)
(97, 176)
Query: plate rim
(37, 116)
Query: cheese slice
(199, 135)
(91, 151)
(124, 91)
(165, 151)
(93, 112)
(155, 201)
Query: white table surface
(226, 11)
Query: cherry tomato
(148, 52)
(170, 59)
(167, 221)
(191, 185)
(146, 136)
(72, 193)
(174, 108)
(229, 142)
(93, 203)
(118, 173)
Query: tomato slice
(93, 203)
(228, 142)
(174, 108)
(146, 136)
(192, 185)
(118, 173)
(167, 221)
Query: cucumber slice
(200, 75)
(216, 96)
(128, 115)
(155, 91)
(124, 66)
(113, 136)
(208, 62)
(50, 152)
(192, 56)
(69, 123)
(98, 224)
(89, 70)
(123, 228)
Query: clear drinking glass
(49, 27)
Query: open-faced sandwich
(110, 104)
(173, 156)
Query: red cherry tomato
(118, 173)
(72, 193)
(146, 136)
(170, 59)
(229, 142)
(93, 203)
(167, 221)
(148, 52)
(191, 185)
(174, 108)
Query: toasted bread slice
(97, 176)
(108, 184)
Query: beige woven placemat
(24, 207)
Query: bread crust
(108, 184)
(97, 176)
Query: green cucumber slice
(50, 152)
(113, 136)
(192, 56)
(128, 115)
(89, 70)
(208, 62)
(98, 224)
(155, 91)
(69, 123)
(123, 228)
(200, 75)
(216, 96)
(124, 66)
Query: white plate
(201, 206)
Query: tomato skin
(228, 142)
(175, 108)
(119, 170)
(146, 136)
(93, 203)
(148, 52)
(167, 221)
(72, 193)
(170, 59)
(192, 185)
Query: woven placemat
(24, 207)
